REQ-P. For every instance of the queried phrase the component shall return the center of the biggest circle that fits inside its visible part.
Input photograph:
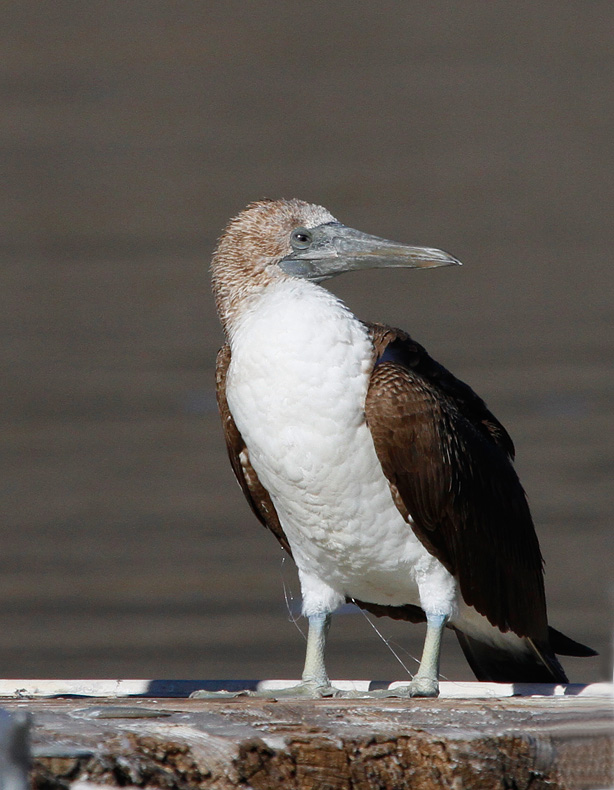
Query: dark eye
(301, 238)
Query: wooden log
(559, 743)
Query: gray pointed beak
(333, 249)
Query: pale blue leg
(425, 682)
(314, 672)
(426, 679)
(315, 682)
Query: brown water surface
(129, 133)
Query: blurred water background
(129, 133)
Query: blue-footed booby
(386, 478)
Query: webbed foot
(222, 694)
(418, 687)
(306, 690)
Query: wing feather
(449, 464)
(255, 493)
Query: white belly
(296, 388)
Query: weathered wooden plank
(183, 688)
(558, 743)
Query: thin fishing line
(289, 599)
(387, 643)
(404, 650)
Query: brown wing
(448, 461)
(255, 493)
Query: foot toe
(306, 690)
(419, 687)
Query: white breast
(296, 388)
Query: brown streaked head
(280, 239)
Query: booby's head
(274, 240)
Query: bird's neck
(290, 308)
(303, 333)
(298, 356)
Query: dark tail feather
(496, 664)
(564, 646)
